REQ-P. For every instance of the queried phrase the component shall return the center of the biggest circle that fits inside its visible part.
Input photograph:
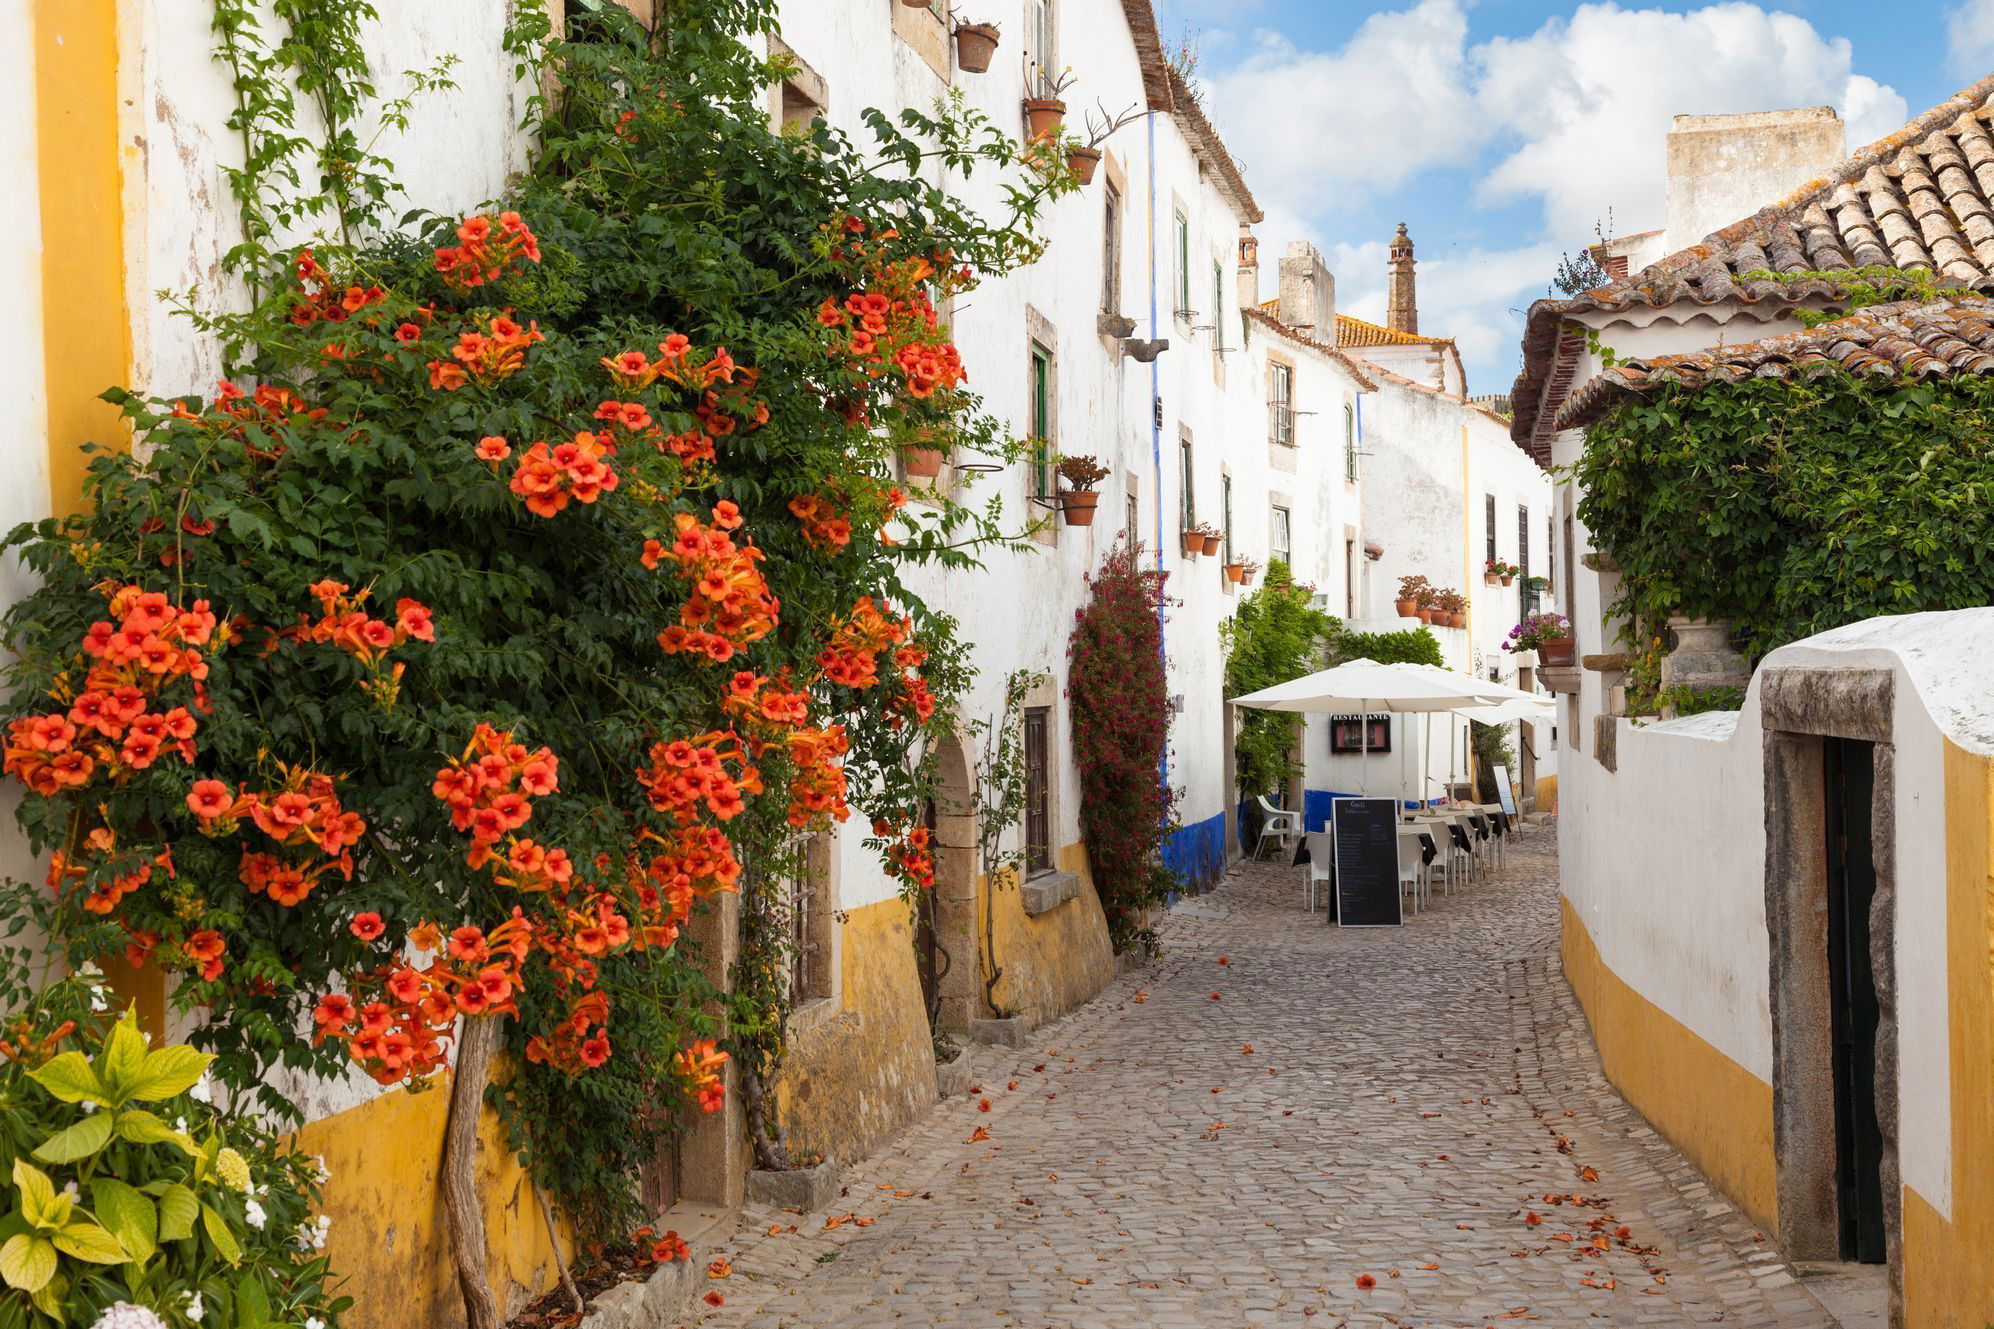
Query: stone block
(1130, 961)
(805, 1188)
(952, 1077)
(621, 1307)
(1007, 1033)
(1047, 891)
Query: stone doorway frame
(1800, 709)
(956, 919)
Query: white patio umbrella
(1498, 703)
(1364, 686)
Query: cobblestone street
(1281, 1123)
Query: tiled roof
(1911, 339)
(1149, 53)
(1210, 147)
(1359, 372)
(1921, 198)
(1356, 332)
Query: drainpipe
(1156, 434)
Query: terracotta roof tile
(1149, 53)
(1911, 339)
(1921, 198)
(1361, 373)
(1356, 332)
(1210, 146)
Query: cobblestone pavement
(1280, 1123)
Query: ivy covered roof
(1907, 340)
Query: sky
(1502, 132)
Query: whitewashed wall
(1683, 921)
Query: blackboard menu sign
(1367, 862)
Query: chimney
(1724, 168)
(1249, 270)
(1308, 293)
(1401, 291)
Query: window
(1189, 506)
(1278, 538)
(1281, 404)
(806, 882)
(1041, 51)
(1042, 441)
(1349, 443)
(1523, 543)
(1111, 253)
(1038, 792)
(1225, 515)
(1350, 578)
(1489, 524)
(1183, 267)
(1550, 552)
(1218, 307)
(1133, 528)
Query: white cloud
(1589, 100)
(1970, 38)
(1325, 128)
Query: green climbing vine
(1874, 284)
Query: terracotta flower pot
(1044, 116)
(1490, 578)
(1458, 620)
(1425, 615)
(1407, 607)
(975, 47)
(1083, 162)
(1077, 506)
(918, 4)
(1556, 652)
(1507, 580)
(1235, 573)
(922, 461)
(1213, 542)
(1246, 579)
(1194, 544)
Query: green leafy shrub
(127, 1185)
(1790, 508)
(1408, 646)
(1275, 635)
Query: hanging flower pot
(1556, 652)
(975, 47)
(1083, 162)
(918, 4)
(1490, 578)
(1407, 607)
(1078, 505)
(925, 462)
(1044, 116)
(1507, 579)
(1194, 543)
(1212, 543)
(1236, 572)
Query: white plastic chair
(1283, 826)
(1412, 868)
(1321, 865)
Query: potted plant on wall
(1453, 609)
(1408, 602)
(1194, 541)
(975, 46)
(923, 453)
(1248, 571)
(1083, 159)
(1499, 572)
(1046, 112)
(1078, 502)
(1214, 538)
(1427, 608)
(1235, 571)
(1550, 635)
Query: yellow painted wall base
(1053, 962)
(1714, 1110)
(1949, 1265)
(855, 1077)
(390, 1239)
(1547, 793)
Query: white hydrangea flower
(70, 1189)
(124, 1315)
(88, 1107)
(313, 1322)
(180, 1124)
(195, 1308)
(97, 1002)
(253, 1214)
(324, 1176)
(202, 1092)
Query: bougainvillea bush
(528, 581)
(1120, 702)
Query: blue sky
(1501, 131)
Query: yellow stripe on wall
(1715, 1111)
(86, 325)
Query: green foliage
(1492, 749)
(1119, 698)
(1789, 508)
(1860, 288)
(1275, 635)
(1686, 700)
(128, 1186)
(1408, 646)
